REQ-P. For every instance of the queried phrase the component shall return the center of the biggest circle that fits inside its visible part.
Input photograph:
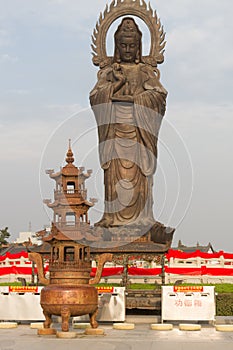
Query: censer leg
(93, 322)
(48, 319)
(65, 315)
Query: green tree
(4, 235)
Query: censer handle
(37, 259)
(101, 261)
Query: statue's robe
(128, 134)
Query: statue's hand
(117, 73)
(119, 77)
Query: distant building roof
(2, 249)
(189, 249)
(13, 248)
(43, 248)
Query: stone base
(8, 325)
(123, 326)
(81, 325)
(46, 331)
(161, 326)
(145, 319)
(189, 327)
(37, 325)
(94, 331)
(224, 327)
(66, 335)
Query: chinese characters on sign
(188, 288)
(23, 289)
(188, 303)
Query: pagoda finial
(69, 154)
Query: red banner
(132, 271)
(136, 271)
(108, 271)
(17, 270)
(203, 270)
(191, 271)
(217, 271)
(14, 256)
(182, 255)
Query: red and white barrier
(194, 267)
(199, 267)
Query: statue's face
(128, 47)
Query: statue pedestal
(159, 236)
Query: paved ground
(142, 337)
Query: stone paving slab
(142, 337)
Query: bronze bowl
(66, 301)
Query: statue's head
(128, 43)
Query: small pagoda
(70, 205)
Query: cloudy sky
(46, 76)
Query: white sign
(20, 306)
(191, 303)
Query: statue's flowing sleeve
(149, 109)
(100, 98)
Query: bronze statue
(128, 102)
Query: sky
(46, 75)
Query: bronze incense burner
(69, 290)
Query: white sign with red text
(191, 303)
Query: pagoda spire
(69, 154)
